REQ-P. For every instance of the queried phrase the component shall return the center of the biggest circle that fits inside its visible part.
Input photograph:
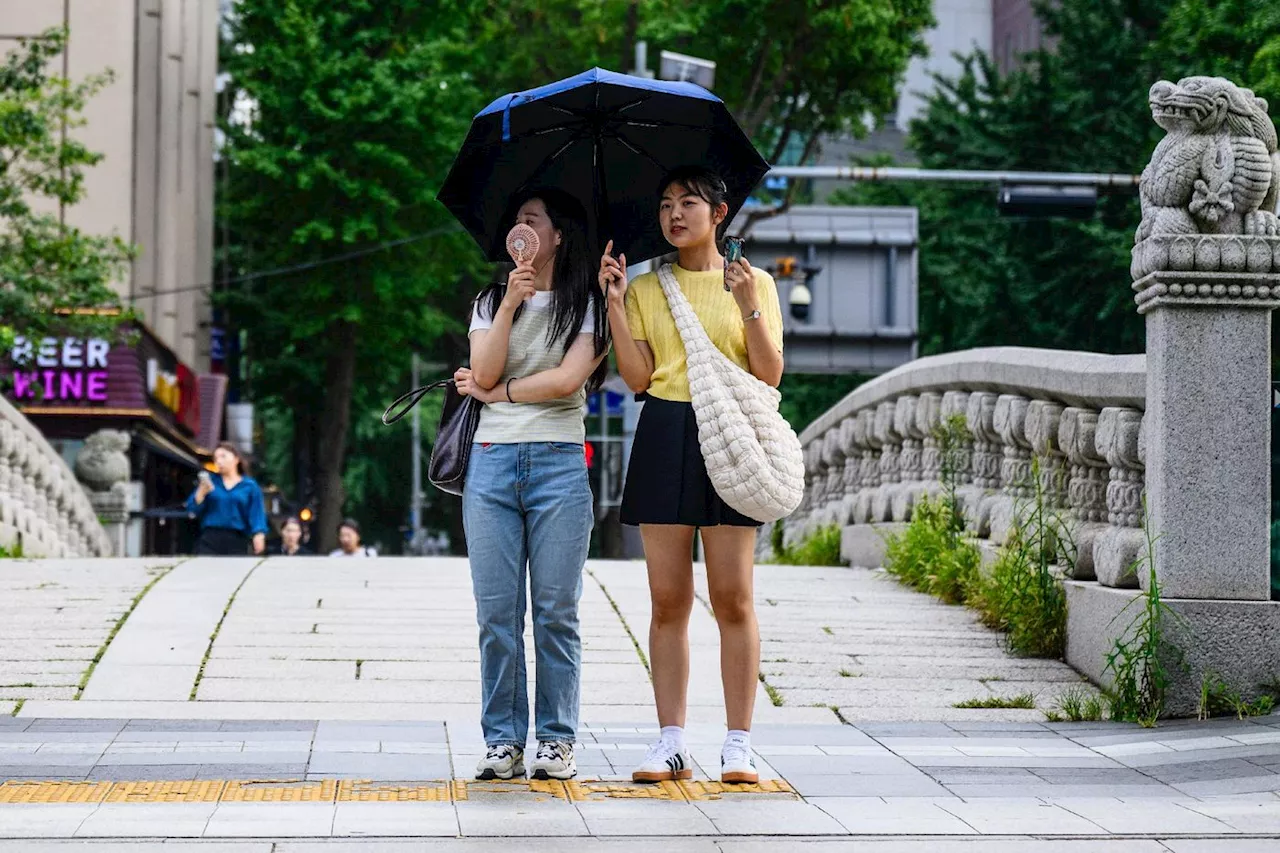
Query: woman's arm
(258, 520)
(635, 358)
(763, 356)
(489, 346)
(561, 381)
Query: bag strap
(414, 397)
(688, 325)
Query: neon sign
(67, 369)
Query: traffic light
(1043, 202)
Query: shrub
(820, 549)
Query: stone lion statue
(103, 462)
(1217, 170)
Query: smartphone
(203, 476)
(732, 252)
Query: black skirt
(667, 480)
(222, 542)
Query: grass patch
(115, 629)
(987, 679)
(359, 666)
(822, 548)
(17, 707)
(11, 552)
(826, 629)
(639, 650)
(16, 686)
(844, 673)
(774, 696)
(208, 652)
(1079, 705)
(1021, 700)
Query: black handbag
(447, 470)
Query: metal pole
(415, 512)
(896, 173)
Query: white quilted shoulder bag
(753, 455)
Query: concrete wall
(154, 126)
(962, 25)
(1015, 30)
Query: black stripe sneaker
(502, 761)
(663, 763)
(554, 760)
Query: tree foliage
(47, 266)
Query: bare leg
(730, 555)
(668, 552)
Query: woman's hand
(259, 543)
(613, 275)
(741, 280)
(204, 485)
(519, 286)
(468, 387)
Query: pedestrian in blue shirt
(229, 507)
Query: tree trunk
(335, 418)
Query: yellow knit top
(650, 320)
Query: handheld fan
(522, 243)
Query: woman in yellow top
(668, 493)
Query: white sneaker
(554, 760)
(503, 761)
(664, 762)
(737, 766)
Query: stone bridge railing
(42, 505)
(871, 457)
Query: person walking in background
(290, 544)
(229, 507)
(668, 493)
(349, 541)
(537, 344)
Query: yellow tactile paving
(54, 792)
(363, 791)
(166, 792)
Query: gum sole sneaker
(503, 761)
(554, 760)
(737, 767)
(663, 763)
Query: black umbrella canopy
(608, 140)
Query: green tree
(48, 268)
(350, 115)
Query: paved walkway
(299, 705)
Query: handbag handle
(413, 397)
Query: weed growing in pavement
(844, 673)
(774, 696)
(1219, 699)
(1022, 596)
(1138, 658)
(1079, 705)
(17, 707)
(1021, 700)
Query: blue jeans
(528, 505)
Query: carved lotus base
(1239, 290)
(1228, 253)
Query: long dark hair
(703, 183)
(574, 291)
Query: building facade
(154, 126)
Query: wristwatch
(754, 315)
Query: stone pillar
(1043, 421)
(833, 455)
(1010, 422)
(961, 463)
(1208, 310)
(911, 461)
(1122, 542)
(868, 467)
(1087, 488)
(890, 459)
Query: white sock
(673, 735)
(737, 737)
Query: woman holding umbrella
(668, 493)
(535, 344)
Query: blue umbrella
(605, 138)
